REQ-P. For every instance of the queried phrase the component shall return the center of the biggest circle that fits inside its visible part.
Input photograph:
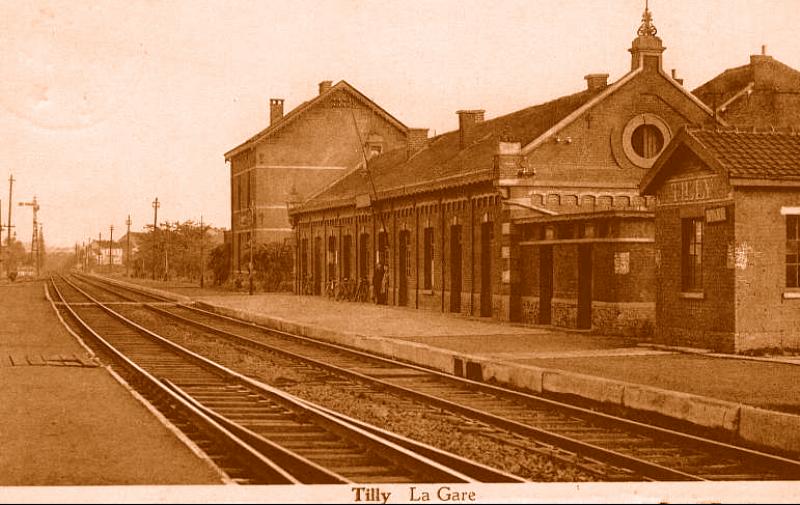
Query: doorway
(455, 268)
(317, 266)
(404, 265)
(545, 284)
(487, 235)
(585, 286)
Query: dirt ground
(74, 425)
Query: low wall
(760, 427)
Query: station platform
(754, 399)
(65, 420)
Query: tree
(273, 266)
(219, 261)
(16, 256)
(172, 251)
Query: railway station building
(727, 222)
(534, 216)
(298, 154)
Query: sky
(105, 105)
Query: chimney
(324, 86)
(275, 110)
(763, 72)
(675, 77)
(596, 82)
(416, 140)
(467, 119)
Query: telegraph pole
(202, 263)
(110, 242)
(128, 258)
(39, 250)
(156, 205)
(8, 228)
(1, 237)
(99, 250)
(167, 229)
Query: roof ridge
(292, 114)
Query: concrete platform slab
(696, 388)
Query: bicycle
(308, 286)
(346, 290)
(361, 293)
(330, 288)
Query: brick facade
(535, 215)
(741, 187)
(300, 154)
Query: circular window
(643, 139)
(647, 141)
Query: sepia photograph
(399, 251)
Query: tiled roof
(443, 163)
(746, 157)
(753, 155)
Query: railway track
(256, 433)
(646, 451)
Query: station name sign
(692, 190)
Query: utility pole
(110, 243)
(128, 258)
(40, 249)
(99, 250)
(166, 250)
(202, 263)
(156, 205)
(1, 236)
(8, 228)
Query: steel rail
(658, 471)
(246, 454)
(431, 469)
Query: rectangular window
(249, 188)
(692, 254)
(238, 181)
(793, 251)
(428, 259)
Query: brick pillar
(509, 268)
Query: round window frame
(627, 135)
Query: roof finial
(647, 27)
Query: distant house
(135, 242)
(105, 252)
(764, 94)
